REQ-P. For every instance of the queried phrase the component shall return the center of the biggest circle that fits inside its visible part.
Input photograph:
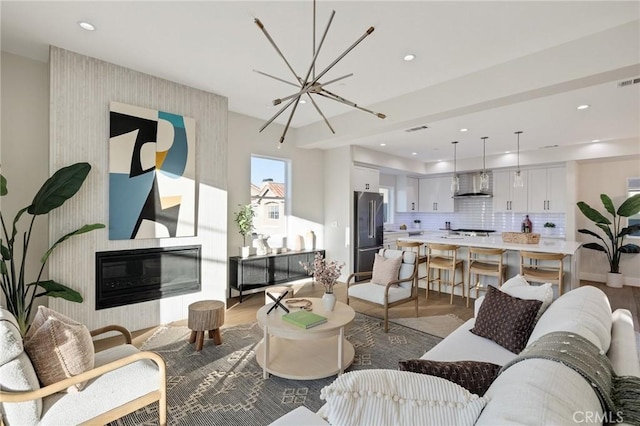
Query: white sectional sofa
(531, 392)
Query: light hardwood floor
(437, 304)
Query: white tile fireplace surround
(80, 91)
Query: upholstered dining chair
(402, 288)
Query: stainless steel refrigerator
(368, 229)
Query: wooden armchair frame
(386, 305)
(159, 395)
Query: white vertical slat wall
(80, 91)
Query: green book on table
(304, 319)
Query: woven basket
(520, 238)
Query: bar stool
(415, 247)
(487, 262)
(443, 257)
(542, 268)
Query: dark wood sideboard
(255, 273)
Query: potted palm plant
(614, 233)
(244, 220)
(19, 293)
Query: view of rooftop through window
(269, 197)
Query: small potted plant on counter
(244, 220)
(613, 246)
(549, 227)
(416, 224)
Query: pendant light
(455, 181)
(484, 177)
(518, 182)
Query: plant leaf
(606, 230)
(84, 229)
(630, 248)
(592, 214)
(59, 188)
(3, 185)
(54, 289)
(595, 246)
(6, 254)
(15, 224)
(608, 204)
(630, 207)
(629, 230)
(588, 232)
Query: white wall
(81, 88)
(24, 146)
(306, 180)
(605, 177)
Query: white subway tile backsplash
(477, 213)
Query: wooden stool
(443, 257)
(206, 315)
(277, 292)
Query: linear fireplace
(124, 277)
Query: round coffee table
(296, 353)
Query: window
(269, 197)
(633, 188)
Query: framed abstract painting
(152, 176)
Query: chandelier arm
(349, 49)
(320, 112)
(313, 89)
(275, 46)
(277, 78)
(293, 111)
(276, 115)
(329, 95)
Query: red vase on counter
(527, 227)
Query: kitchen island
(568, 248)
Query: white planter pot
(245, 251)
(615, 280)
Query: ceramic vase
(245, 251)
(329, 301)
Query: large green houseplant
(19, 293)
(613, 244)
(244, 220)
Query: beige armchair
(401, 290)
(123, 380)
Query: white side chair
(402, 290)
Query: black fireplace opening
(125, 277)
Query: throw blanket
(618, 395)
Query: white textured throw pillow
(520, 288)
(389, 397)
(385, 269)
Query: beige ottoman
(277, 292)
(205, 315)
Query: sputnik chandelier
(310, 84)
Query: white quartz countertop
(544, 246)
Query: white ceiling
(214, 46)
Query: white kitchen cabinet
(435, 195)
(547, 190)
(406, 194)
(365, 179)
(506, 198)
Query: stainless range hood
(470, 186)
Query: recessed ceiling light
(383, 144)
(440, 160)
(595, 140)
(409, 57)
(584, 106)
(86, 26)
(507, 152)
(464, 129)
(414, 153)
(302, 101)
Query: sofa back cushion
(388, 397)
(585, 311)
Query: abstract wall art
(152, 176)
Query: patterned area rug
(436, 325)
(223, 385)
